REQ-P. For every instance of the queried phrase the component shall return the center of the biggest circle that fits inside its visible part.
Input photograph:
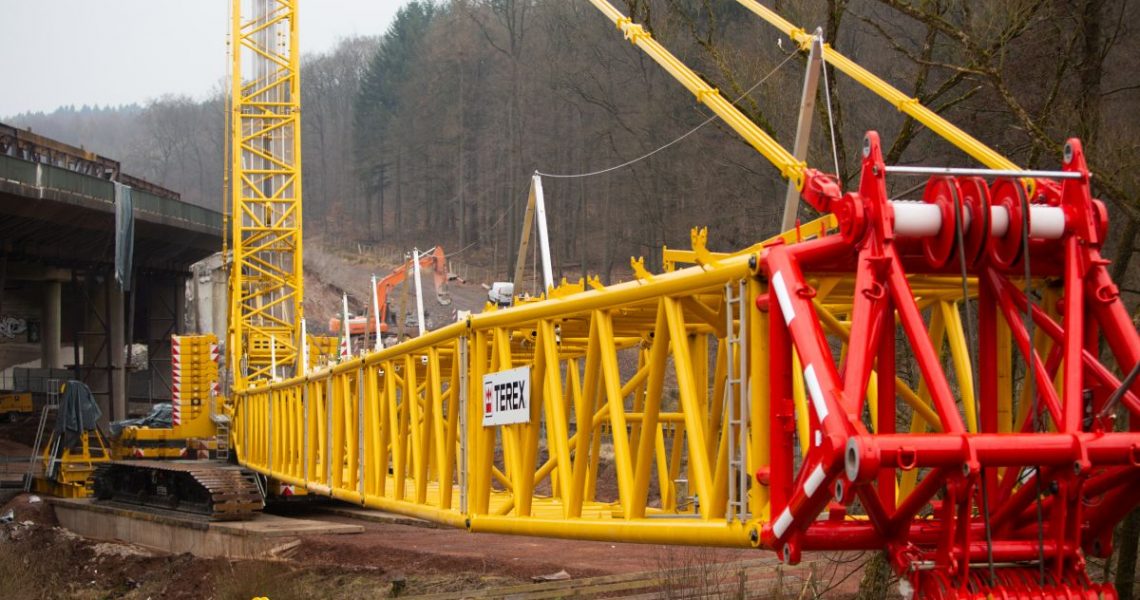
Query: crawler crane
(773, 439)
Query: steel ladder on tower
(222, 436)
(736, 398)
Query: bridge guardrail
(56, 178)
(148, 202)
(15, 169)
(46, 176)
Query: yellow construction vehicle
(13, 404)
(195, 425)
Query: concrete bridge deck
(53, 215)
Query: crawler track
(217, 491)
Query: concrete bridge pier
(113, 320)
(51, 330)
(118, 335)
(103, 339)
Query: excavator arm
(434, 260)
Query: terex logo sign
(506, 397)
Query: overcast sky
(60, 52)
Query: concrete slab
(377, 516)
(264, 536)
(266, 525)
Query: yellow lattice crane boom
(265, 128)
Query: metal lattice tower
(265, 128)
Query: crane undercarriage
(210, 490)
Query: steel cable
(675, 140)
(1031, 377)
(830, 121)
(959, 222)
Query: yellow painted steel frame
(632, 415)
(74, 467)
(629, 400)
(671, 257)
(621, 371)
(634, 409)
(266, 272)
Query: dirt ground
(41, 560)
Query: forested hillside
(428, 133)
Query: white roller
(917, 219)
(999, 221)
(1047, 222)
(967, 218)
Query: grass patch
(33, 570)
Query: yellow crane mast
(266, 287)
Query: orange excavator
(432, 260)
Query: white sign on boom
(506, 397)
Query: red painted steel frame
(1061, 459)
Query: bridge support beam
(117, 349)
(104, 345)
(50, 332)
